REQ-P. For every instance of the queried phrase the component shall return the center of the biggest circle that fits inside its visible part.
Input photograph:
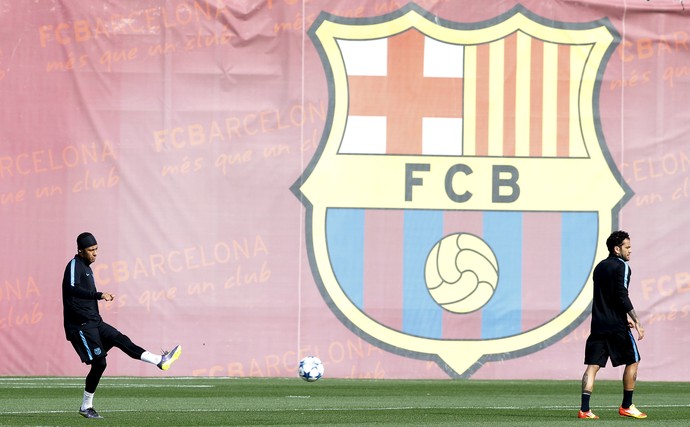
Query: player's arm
(77, 291)
(72, 284)
(620, 290)
(624, 300)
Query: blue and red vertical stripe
(378, 258)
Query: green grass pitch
(54, 401)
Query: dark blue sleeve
(622, 275)
(72, 283)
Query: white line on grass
(30, 378)
(313, 409)
(123, 385)
(143, 382)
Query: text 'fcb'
(504, 182)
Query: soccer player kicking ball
(90, 336)
(613, 316)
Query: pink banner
(274, 179)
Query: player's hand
(108, 297)
(640, 330)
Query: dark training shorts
(93, 343)
(620, 347)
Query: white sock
(149, 357)
(88, 401)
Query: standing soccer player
(90, 336)
(613, 316)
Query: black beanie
(85, 240)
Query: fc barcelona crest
(462, 186)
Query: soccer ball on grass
(310, 368)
